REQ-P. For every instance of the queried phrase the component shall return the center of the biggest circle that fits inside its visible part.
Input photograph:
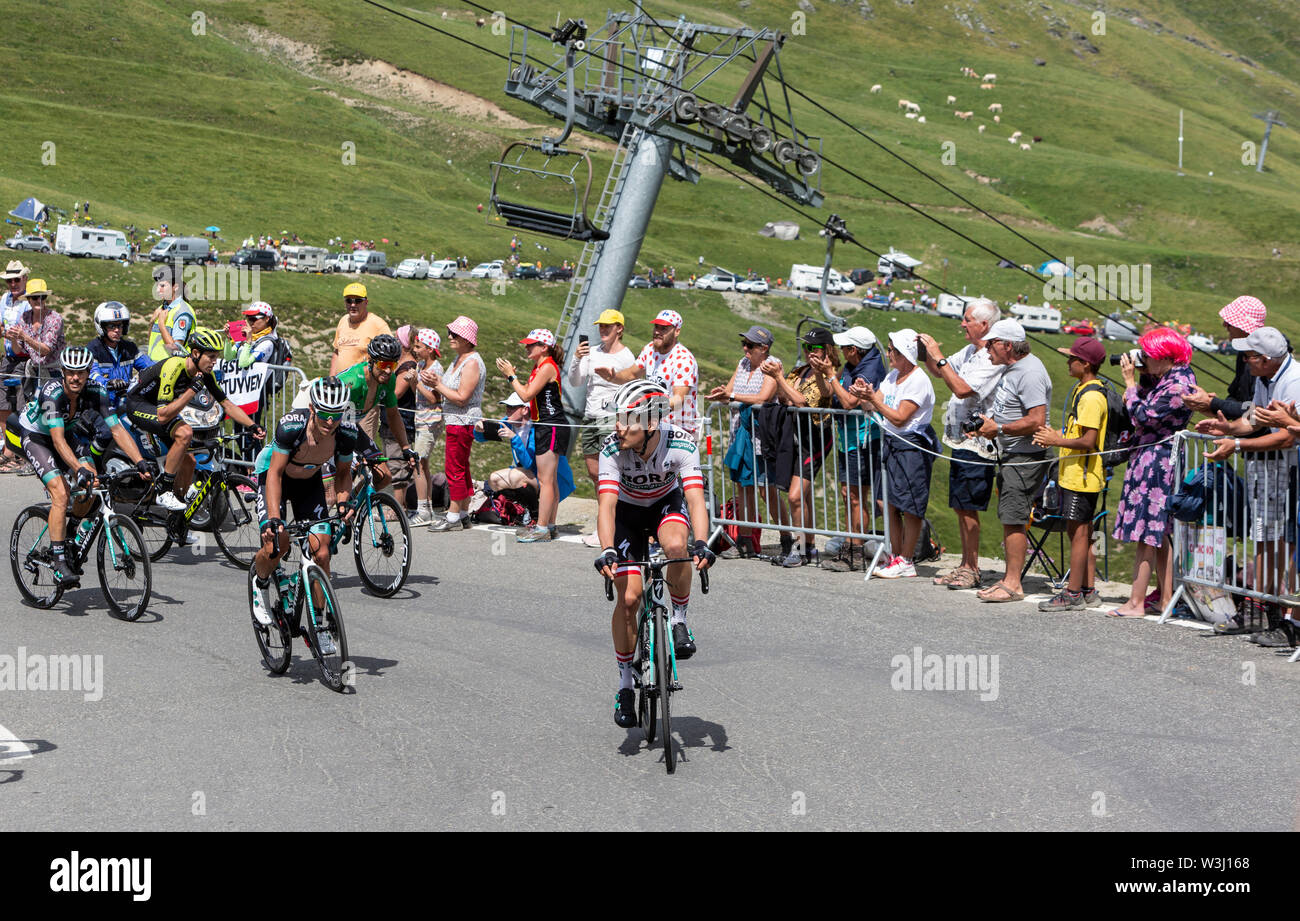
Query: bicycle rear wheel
(273, 640)
(125, 575)
(664, 680)
(324, 617)
(646, 705)
(381, 542)
(234, 518)
(31, 558)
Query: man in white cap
(858, 457)
(972, 377)
(666, 360)
(1020, 408)
(1240, 318)
(1270, 478)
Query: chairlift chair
(569, 224)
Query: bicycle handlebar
(657, 566)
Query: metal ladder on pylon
(601, 218)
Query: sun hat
(1007, 330)
(904, 342)
(1087, 349)
(356, 289)
(1266, 340)
(611, 316)
(15, 269)
(540, 336)
(759, 335)
(857, 336)
(466, 328)
(431, 340)
(513, 400)
(1246, 313)
(669, 318)
(36, 287)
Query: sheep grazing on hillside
(952, 100)
(903, 103)
(921, 120)
(990, 78)
(964, 116)
(995, 107)
(1037, 139)
(1026, 147)
(1012, 139)
(876, 88)
(480, 22)
(909, 115)
(1015, 135)
(981, 129)
(997, 119)
(988, 86)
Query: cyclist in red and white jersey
(649, 482)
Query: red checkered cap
(1246, 313)
(669, 318)
(542, 336)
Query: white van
(896, 264)
(412, 268)
(304, 258)
(369, 260)
(809, 278)
(1043, 319)
(74, 240)
(442, 268)
(180, 249)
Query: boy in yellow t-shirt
(1081, 474)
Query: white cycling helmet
(644, 399)
(76, 358)
(329, 394)
(112, 312)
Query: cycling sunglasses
(384, 365)
(328, 417)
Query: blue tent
(1054, 267)
(29, 210)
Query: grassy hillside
(244, 123)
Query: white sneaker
(898, 568)
(592, 540)
(169, 501)
(262, 603)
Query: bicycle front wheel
(125, 575)
(324, 621)
(273, 639)
(234, 519)
(32, 559)
(381, 542)
(664, 679)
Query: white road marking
(11, 747)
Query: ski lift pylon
(569, 224)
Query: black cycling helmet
(384, 347)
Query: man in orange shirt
(355, 330)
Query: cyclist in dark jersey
(289, 474)
(42, 427)
(154, 405)
(550, 425)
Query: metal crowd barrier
(828, 504)
(1249, 515)
(271, 406)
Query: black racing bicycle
(655, 658)
(120, 557)
(308, 588)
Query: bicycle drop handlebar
(655, 567)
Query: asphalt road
(484, 700)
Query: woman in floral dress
(1157, 409)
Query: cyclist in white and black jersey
(649, 482)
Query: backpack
(1225, 493)
(1119, 425)
(927, 548)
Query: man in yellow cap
(355, 330)
(597, 421)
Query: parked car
(1081, 328)
(369, 261)
(489, 270)
(180, 249)
(717, 281)
(1203, 343)
(529, 271)
(412, 268)
(264, 259)
(907, 305)
(753, 286)
(28, 241)
(442, 268)
(878, 301)
(638, 281)
(662, 281)
(335, 262)
(862, 276)
(556, 273)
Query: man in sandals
(972, 377)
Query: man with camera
(1020, 408)
(972, 377)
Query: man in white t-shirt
(598, 415)
(666, 360)
(972, 377)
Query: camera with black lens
(920, 350)
(974, 422)
(1134, 354)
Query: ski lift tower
(658, 92)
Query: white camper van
(1041, 319)
(75, 240)
(896, 264)
(809, 278)
(304, 258)
(180, 249)
(952, 305)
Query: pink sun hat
(466, 328)
(1246, 313)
